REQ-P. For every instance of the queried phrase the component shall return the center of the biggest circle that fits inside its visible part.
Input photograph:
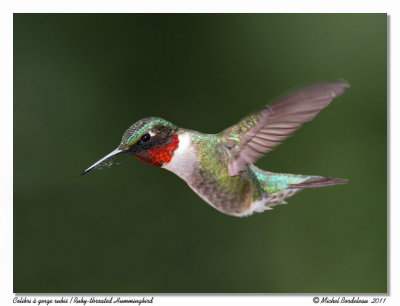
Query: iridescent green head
(151, 139)
(150, 125)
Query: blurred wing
(261, 132)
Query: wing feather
(261, 132)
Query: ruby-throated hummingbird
(219, 167)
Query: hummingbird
(220, 167)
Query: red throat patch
(160, 154)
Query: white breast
(184, 160)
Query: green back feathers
(235, 133)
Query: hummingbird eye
(146, 137)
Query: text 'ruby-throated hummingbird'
(219, 167)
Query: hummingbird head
(152, 140)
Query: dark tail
(319, 182)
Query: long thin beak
(113, 153)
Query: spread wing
(261, 132)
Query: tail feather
(319, 182)
(279, 186)
(276, 182)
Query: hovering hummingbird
(219, 167)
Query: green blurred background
(81, 79)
